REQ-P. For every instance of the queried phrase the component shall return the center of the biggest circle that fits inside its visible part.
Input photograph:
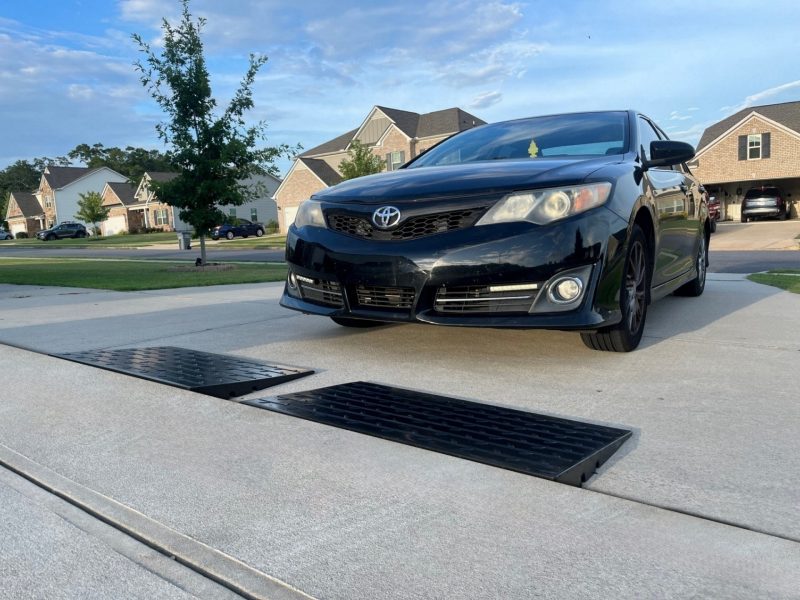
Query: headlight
(309, 213)
(545, 206)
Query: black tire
(626, 335)
(360, 323)
(696, 286)
(259, 232)
(744, 219)
(229, 235)
(50, 238)
(80, 235)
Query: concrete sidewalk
(701, 502)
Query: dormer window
(754, 146)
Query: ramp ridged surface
(558, 449)
(204, 372)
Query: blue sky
(66, 74)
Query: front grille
(320, 291)
(385, 297)
(481, 299)
(410, 229)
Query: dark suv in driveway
(765, 201)
(64, 230)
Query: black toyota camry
(574, 222)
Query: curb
(193, 554)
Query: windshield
(582, 134)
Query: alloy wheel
(636, 286)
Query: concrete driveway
(701, 502)
(758, 235)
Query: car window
(580, 134)
(646, 135)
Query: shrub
(21, 235)
(272, 226)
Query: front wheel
(626, 335)
(259, 232)
(360, 323)
(229, 235)
(50, 238)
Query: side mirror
(665, 153)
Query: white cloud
(759, 97)
(485, 100)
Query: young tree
(91, 209)
(214, 153)
(360, 161)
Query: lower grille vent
(385, 297)
(486, 299)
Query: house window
(48, 201)
(161, 216)
(394, 160)
(254, 214)
(232, 212)
(754, 146)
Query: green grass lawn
(111, 241)
(786, 279)
(128, 275)
(275, 240)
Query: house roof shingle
(337, 144)
(124, 191)
(414, 125)
(58, 177)
(786, 113)
(322, 170)
(27, 203)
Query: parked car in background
(237, 227)
(765, 201)
(67, 229)
(573, 222)
(6, 235)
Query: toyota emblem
(386, 217)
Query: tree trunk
(202, 249)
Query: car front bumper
(480, 276)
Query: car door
(668, 190)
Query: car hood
(454, 180)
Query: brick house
(143, 209)
(118, 197)
(757, 146)
(396, 136)
(60, 189)
(24, 214)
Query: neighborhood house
(396, 136)
(758, 146)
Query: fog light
(565, 290)
(291, 279)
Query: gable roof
(337, 144)
(58, 177)
(124, 191)
(414, 125)
(323, 170)
(785, 113)
(28, 204)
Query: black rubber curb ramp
(207, 373)
(553, 448)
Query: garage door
(289, 213)
(114, 225)
(16, 228)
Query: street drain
(204, 372)
(561, 450)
